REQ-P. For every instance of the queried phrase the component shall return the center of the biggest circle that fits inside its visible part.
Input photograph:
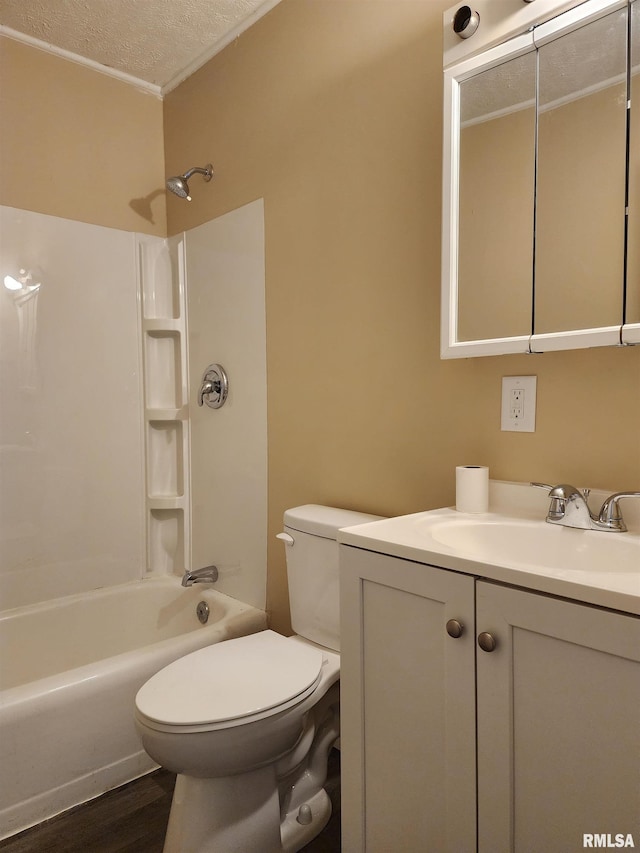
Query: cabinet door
(558, 723)
(407, 707)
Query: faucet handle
(543, 486)
(611, 514)
(559, 496)
(207, 387)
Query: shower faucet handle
(207, 388)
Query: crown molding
(150, 88)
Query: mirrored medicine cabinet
(541, 203)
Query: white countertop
(410, 537)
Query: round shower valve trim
(214, 387)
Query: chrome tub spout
(209, 574)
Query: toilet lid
(231, 680)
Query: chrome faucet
(209, 574)
(569, 507)
(611, 515)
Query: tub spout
(207, 575)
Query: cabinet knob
(454, 628)
(487, 642)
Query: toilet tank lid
(324, 521)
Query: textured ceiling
(588, 59)
(152, 40)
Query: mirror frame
(450, 346)
(631, 331)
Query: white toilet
(248, 724)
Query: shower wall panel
(225, 272)
(71, 437)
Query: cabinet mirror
(497, 170)
(580, 192)
(539, 213)
(632, 314)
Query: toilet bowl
(248, 724)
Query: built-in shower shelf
(180, 414)
(161, 502)
(162, 325)
(164, 351)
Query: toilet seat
(230, 684)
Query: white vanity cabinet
(446, 747)
(407, 707)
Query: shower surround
(104, 455)
(110, 475)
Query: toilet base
(240, 814)
(236, 814)
(296, 834)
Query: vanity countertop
(593, 567)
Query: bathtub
(69, 672)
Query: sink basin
(513, 544)
(517, 542)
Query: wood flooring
(133, 819)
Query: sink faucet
(569, 507)
(207, 575)
(610, 513)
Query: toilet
(247, 724)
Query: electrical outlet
(518, 403)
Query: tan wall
(332, 112)
(78, 144)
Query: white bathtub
(69, 672)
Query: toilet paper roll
(472, 488)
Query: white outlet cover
(523, 420)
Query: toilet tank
(312, 569)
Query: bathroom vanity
(489, 703)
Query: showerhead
(179, 186)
